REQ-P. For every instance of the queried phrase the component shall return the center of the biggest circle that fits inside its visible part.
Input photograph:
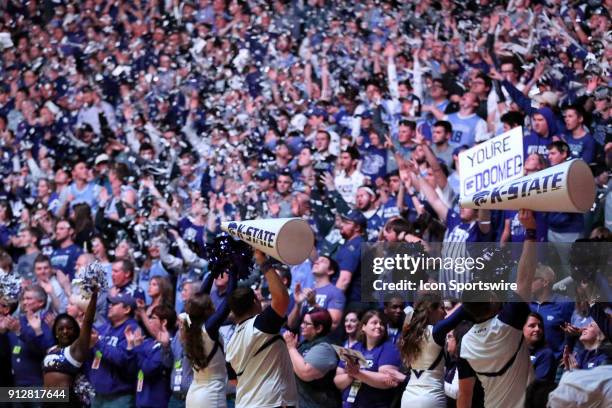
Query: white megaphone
(566, 187)
(290, 240)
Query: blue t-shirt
(390, 208)
(464, 129)
(370, 397)
(375, 225)
(517, 231)
(330, 297)
(349, 259)
(555, 313)
(65, 259)
(583, 148)
(374, 162)
(562, 222)
(192, 233)
(544, 363)
(459, 231)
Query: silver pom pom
(90, 277)
(10, 286)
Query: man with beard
(365, 201)
(350, 178)
(353, 227)
(441, 134)
(324, 294)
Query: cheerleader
(422, 349)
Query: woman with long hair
(83, 224)
(351, 328)
(542, 356)
(369, 385)
(203, 348)
(7, 227)
(162, 293)
(596, 350)
(314, 361)
(99, 249)
(422, 349)
(63, 361)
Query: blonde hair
(79, 301)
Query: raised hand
(93, 339)
(50, 319)
(298, 294)
(527, 218)
(163, 337)
(311, 296)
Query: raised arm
(80, 348)
(527, 263)
(444, 326)
(278, 291)
(216, 320)
(432, 197)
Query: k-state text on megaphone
(566, 187)
(290, 240)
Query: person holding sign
(370, 386)
(468, 225)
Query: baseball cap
(601, 92)
(124, 298)
(101, 159)
(264, 175)
(317, 112)
(367, 114)
(357, 217)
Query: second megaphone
(290, 240)
(566, 187)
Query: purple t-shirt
(330, 297)
(370, 397)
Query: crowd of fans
(130, 130)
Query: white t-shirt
(347, 185)
(496, 352)
(262, 363)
